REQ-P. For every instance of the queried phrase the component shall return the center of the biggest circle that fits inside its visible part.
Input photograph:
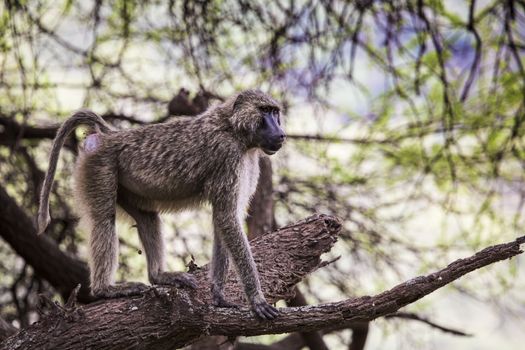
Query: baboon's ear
(240, 100)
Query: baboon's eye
(265, 109)
(276, 115)
(271, 112)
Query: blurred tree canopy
(405, 120)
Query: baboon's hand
(263, 310)
(124, 289)
(177, 279)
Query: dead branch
(416, 317)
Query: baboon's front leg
(219, 271)
(225, 220)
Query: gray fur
(182, 163)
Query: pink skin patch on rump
(91, 143)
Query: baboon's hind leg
(148, 226)
(97, 190)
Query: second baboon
(182, 163)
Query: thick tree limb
(366, 308)
(313, 340)
(12, 132)
(167, 318)
(170, 318)
(64, 272)
(6, 329)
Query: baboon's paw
(263, 310)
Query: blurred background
(405, 120)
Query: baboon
(182, 163)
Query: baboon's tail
(81, 117)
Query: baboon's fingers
(265, 311)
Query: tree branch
(416, 317)
(365, 308)
(167, 318)
(295, 341)
(61, 270)
(6, 329)
(313, 340)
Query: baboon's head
(258, 116)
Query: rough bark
(313, 339)
(6, 329)
(165, 318)
(170, 318)
(49, 262)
